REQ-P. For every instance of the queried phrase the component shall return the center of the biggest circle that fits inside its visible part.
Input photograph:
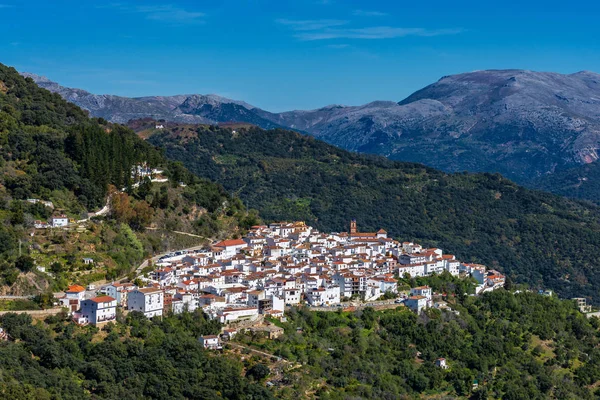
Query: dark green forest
(535, 237)
(523, 346)
(582, 182)
(49, 144)
(135, 359)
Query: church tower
(353, 226)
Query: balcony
(106, 318)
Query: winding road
(103, 211)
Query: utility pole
(20, 252)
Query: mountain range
(540, 129)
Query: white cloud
(327, 29)
(375, 32)
(364, 13)
(311, 25)
(163, 12)
(170, 13)
(338, 46)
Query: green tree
(258, 372)
(25, 263)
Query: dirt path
(259, 352)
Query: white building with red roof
(97, 311)
(230, 247)
(73, 297)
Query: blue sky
(282, 55)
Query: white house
(228, 334)
(254, 296)
(97, 310)
(165, 276)
(74, 295)
(150, 301)
(424, 291)
(119, 291)
(386, 284)
(372, 292)
(231, 247)
(231, 314)
(60, 221)
(324, 296)
(291, 296)
(453, 266)
(210, 342)
(414, 270)
(416, 303)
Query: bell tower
(353, 226)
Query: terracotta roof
(149, 290)
(75, 289)
(102, 299)
(232, 242)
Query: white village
(277, 266)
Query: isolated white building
(60, 221)
(210, 342)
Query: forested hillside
(51, 151)
(538, 238)
(581, 182)
(499, 346)
(137, 359)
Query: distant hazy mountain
(193, 108)
(526, 125)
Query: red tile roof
(232, 242)
(75, 289)
(102, 299)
